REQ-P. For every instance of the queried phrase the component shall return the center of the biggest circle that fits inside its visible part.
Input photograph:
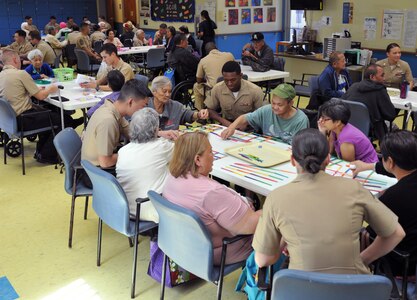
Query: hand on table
(203, 114)
(43, 76)
(169, 134)
(88, 85)
(358, 166)
(246, 53)
(228, 132)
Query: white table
(261, 180)
(263, 76)
(135, 50)
(408, 104)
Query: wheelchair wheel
(13, 148)
(32, 138)
(183, 92)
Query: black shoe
(45, 160)
(77, 122)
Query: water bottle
(164, 40)
(404, 86)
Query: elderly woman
(142, 164)
(139, 39)
(172, 113)
(111, 38)
(38, 69)
(221, 209)
(395, 68)
(348, 141)
(295, 214)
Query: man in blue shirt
(279, 119)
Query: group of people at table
(317, 217)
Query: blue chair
(359, 115)
(300, 285)
(142, 78)
(83, 63)
(155, 60)
(303, 90)
(184, 238)
(111, 205)
(8, 123)
(68, 146)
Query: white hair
(144, 125)
(35, 53)
(160, 82)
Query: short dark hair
(163, 26)
(178, 38)
(401, 146)
(172, 30)
(310, 148)
(184, 29)
(116, 80)
(392, 45)
(133, 88)
(50, 29)
(28, 17)
(336, 110)
(75, 28)
(109, 48)
(210, 46)
(35, 35)
(110, 30)
(96, 27)
(68, 18)
(334, 57)
(52, 18)
(83, 25)
(371, 70)
(232, 67)
(21, 33)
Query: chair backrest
(109, 199)
(199, 45)
(97, 46)
(70, 52)
(155, 58)
(128, 43)
(83, 61)
(183, 237)
(190, 48)
(57, 60)
(8, 122)
(359, 116)
(313, 83)
(295, 284)
(68, 145)
(142, 78)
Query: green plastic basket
(64, 74)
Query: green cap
(284, 91)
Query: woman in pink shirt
(222, 210)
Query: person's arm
(42, 94)
(358, 166)
(385, 106)
(238, 123)
(217, 117)
(325, 85)
(347, 150)
(263, 260)
(247, 224)
(382, 245)
(107, 161)
(267, 58)
(169, 134)
(201, 115)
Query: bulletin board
(173, 10)
(373, 23)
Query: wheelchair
(13, 147)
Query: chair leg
(135, 262)
(164, 271)
(100, 229)
(298, 101)
(86, 208)
(71, 228)
(4, 148)
(23, 155)
(130, 242)
(221, 275)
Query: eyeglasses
(324, 119)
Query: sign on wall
(173, 10)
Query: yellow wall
(118, 11)
(362, 9)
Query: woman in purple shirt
(346, 140)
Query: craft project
(260, 154)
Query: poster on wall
(256, 2)
(229, 3)
(145, 8)
(392, 24)
(271, 14)
(369, 28)
(173, 10)
(410, 29)
(243, 2)
(245, 16)
(347, 13)
(267, 2)
(258, 15)
(233, 16)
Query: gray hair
(144, 125)
(34, 53)
(160, 82)
(50, 29)
(140, 31)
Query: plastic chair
(296, 284)
(97, 46)
(155, 59)
(69, 51)
(57, 61)
(8, 123)
(199, 44)
(68, 145)
(359, 116)
(303, 90)
(111, 205)
(128, 43)
(83, 63)
(142, 78)
(185, 239)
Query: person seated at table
(182, 60)
(51, 39)
(172, 113)
(74, 35)
(190, 39)
(294, 214)
(371, 91)
(171, 32)
(115, 80)
(138, 176)
(47, 51)
(233, 96)
(38, 69)
(399, 157)
(84, 43)
(127, 36)
(279, 119)
(112, 39)
(221, 209)
(395, 67)
(107, 125)
(258, 54)
(106, 25)
(139, 39)
(52, 23)
(97, 35)
(17, 87)
(208, 71)
(113, 62)
(160, 35)
(20, 44)
(346, 140)
(30, 26)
